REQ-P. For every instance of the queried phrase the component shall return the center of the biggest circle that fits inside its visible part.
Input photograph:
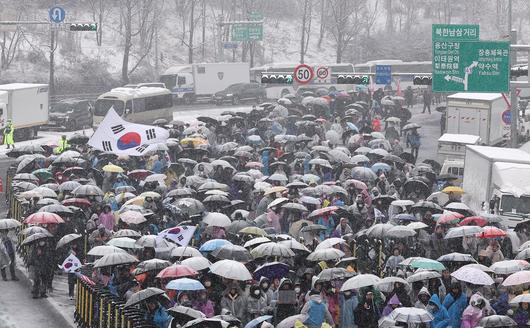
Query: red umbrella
(43, 218)
(177, 271)
(76, 202)
(139, 174)
(491, 232)
(323, 211)
(474, 220)
(449, 218)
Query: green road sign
(247, 32)
(473, 66)
(255, 16)
(455, 32)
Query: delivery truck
(189, 83)
(500, 177)
(26, 105)
(479, 114)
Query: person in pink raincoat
(273, 220)
(474, 311)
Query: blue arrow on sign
(57, 14)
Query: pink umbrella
(43, 218)
(491, 232)
(518, 278)
(449, 218)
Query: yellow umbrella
(274, 190)
(253, 231)
(112, 168)
(194, 141)
(453, 189)
(138, 200)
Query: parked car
(238, 92)
(71, 114)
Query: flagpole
(186, 247)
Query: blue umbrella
(185, 284)
(405, 217)
(381, 166)
(214, 244)
(258, 320)
(352, 127)
(271, 271)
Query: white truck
(189, 83)
(478, 114)
(26, 105)
(501, 175)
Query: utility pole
(510, 17)
(514, 108)
(51, 82)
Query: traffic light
(353, 79)
(422, 80)
(277, 78)
(92, 27)
(519, 71)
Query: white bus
(143, 105)
(275, 91)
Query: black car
(71, 114)
(238, 92)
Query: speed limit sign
(303, 74)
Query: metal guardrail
(89, 96)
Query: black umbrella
(497, 321)
(407, 157)
(384, 199)
(78, 139)
(144, 295)
(416, 185)
(427, 205)
(35, 237)
(183, 314)
(434, 164)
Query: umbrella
(256, 241)
(427, 264)
(474, 220)
(176, 271)
(104, 250)
(115, 259)
(213, 244)
(57, 209)
(185, 251)
(523, 255)
(151, 265)
(232, 252)
(294, 245)
(457, 206)
(362, 280)
(126, 233)
(197, 263)
(523, 298)
(411, 126)
(411, 315)
(253, 231)
(453, 189)
(427, 205)
(35, 237)
(329, 243)
(79, 202)
(153, 241)
(132, 217)
(387, 284)
(379, 230)
(43, 218)
(231, 270)
(497, 321)
(29, 177)
(449, 218)
(313, 228)
(509, 266)
(462, 231)
(295, 207)
(491, 232)
(185, 284)
(7, 224)
(423, 275)
(384, 167)
(189, 206)
(271, 270)
(478, 266)
(417, 225)
(66, 239)
(277, 201)
(364, 174)
(325, 254)
(272, 249)
(323, 211)
(290, 322)
(400, 232)
(206, 323)
(139, 174)
(517, 278)
(68, 186)
(217, 219)
(112, 168)
(256, 322)
(473, 276)
(87, 190)
(334, 274)
(456, 257)
(143, 295)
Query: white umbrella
(411, 315)
(517, 278)
(417, 225)
(217, 219)
(523, 298)
(478, 266)
(185, 251)
(325, 254)
(256, 241)
(379, 230)
(362, 280)
(400, 232)
(231, 270)
(272, 249)
(457, 206)
(104, 250)
(293, 244)
(123, 242)
(278, 177)
(197, 263)
(463, 231)
(509, 266)
(523, 255)
(115, 259)
(408, 261)
(387, 284)
(277, 201)
(423, 275)
(402, 202)
(456, 257)
(473, 276)
(329, 243)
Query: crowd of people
(308, 211)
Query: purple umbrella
(271, 270)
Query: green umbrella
(427, 264)
(43, 174)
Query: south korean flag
(123, 138)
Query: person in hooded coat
(522, 315)
(348, 304)
(392, 304)
(440, 314)
(265, 284)
(367, 313)
(423, 299)
(473, 313)
(256, 303)
(316, 311)
(287, 303)
(234, 301)
(501, 306)
(455, 302)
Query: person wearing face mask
(256, 303)
(439, 312)
(348, 304)
(287, 303)
(157, 314)
(204, 304)
(234, 301)
(264, 285)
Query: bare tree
(389, 22)
(346, 20)
(99, 10)
(138, 18)
(9, 45)
(307, 6)
(187, 37)
(322, 30)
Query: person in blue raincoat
(157, 314)
(455, 302)
(440, 314)
(265, 160)
(348, 304)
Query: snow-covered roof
(474, 96)
(501, 154)
(468, 139)
(512, 178)
(136, 93)
(187, 68)
(18, 86)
